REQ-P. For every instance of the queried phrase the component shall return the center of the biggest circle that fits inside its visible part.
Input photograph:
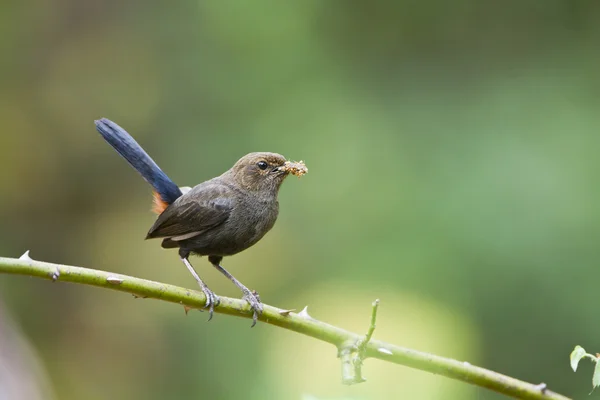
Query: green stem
(346, 342)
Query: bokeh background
(453, 150)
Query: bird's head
(264, 172)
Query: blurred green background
(453, 157)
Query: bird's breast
(258, 217)
(249, 221)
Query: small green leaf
(596, 377)
(576, 356)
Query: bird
(216, 218)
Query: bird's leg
(251, 297)
(211, 299)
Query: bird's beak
(294, 168)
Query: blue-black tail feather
(131, 151)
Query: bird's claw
(255, 305)
(212, 300)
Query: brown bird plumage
(227, 214)
(217, 218)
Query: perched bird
(217, 218)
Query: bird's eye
(262, 165)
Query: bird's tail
(165, 190)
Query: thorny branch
(353, 348)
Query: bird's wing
(197, 211)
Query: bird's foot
(255, 305)
(212, 300)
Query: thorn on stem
(285, 313)
(542, 387)
(25, 257)
(304, 313)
